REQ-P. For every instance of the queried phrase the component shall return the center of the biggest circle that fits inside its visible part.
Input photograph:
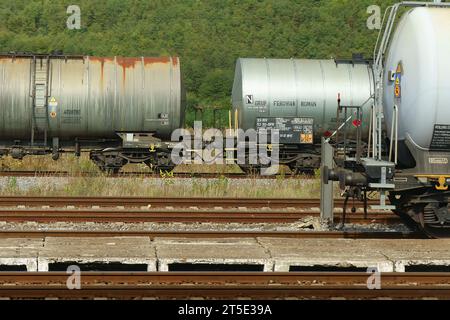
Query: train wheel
(428, 213)
(161, 162)
(436, 219)
(410, 214)
(108, 161)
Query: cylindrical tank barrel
(292, 88)
(89, 97)
(416, 77)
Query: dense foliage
(208, 35)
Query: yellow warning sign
(53, 103)
(398, 81)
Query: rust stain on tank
(101, 59)
(124, 76)
(126, 62)
(17, 60)
(149, 61)
(102, 74)
(102, 67)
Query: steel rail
(164, 202)
(311, 285)
(188, 216)
(212, 234)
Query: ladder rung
(40, 82)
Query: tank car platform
(212, 255)
(284, 255)
(98, 254)
(324, 255)
(250, 254)
(416, 255)
(20, 254)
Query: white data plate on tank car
(441, 138)
(292, 130)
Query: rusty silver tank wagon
(54, 103)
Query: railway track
(166, 202)
(177, 210)
(162, 210)
(312, 285)
(183, 216)
(198, 234)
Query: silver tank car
(88, 97)
(290, 94)
(416, 79)
(412, 67)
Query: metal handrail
(394, 134)
(347, 120)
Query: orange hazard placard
(306, 138)
(397, 91)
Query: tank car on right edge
(412, 103)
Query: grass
(99, 184)
(163, 187)
(67, 162)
